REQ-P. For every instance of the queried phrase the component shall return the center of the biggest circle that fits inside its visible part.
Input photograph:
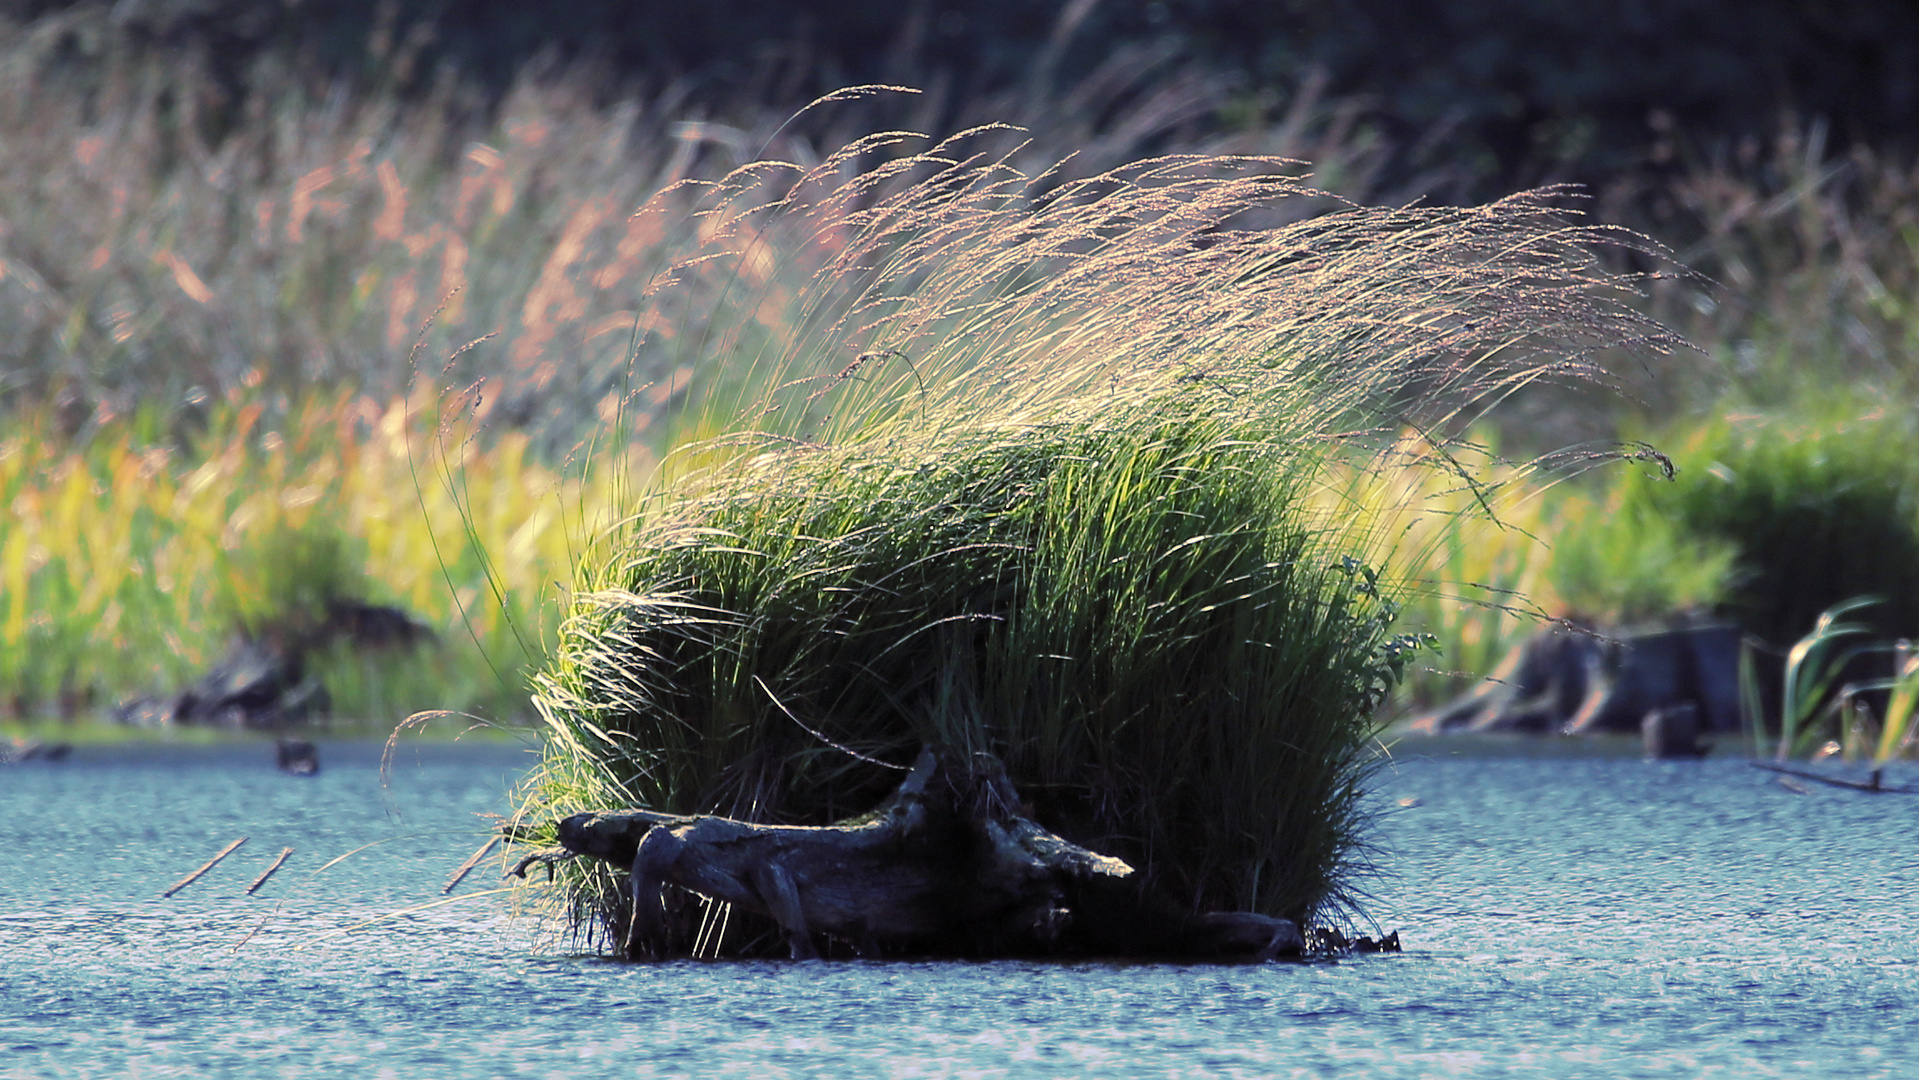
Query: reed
(1492, 552)
(1807, 273)
(1818, 502)
(169, 247)
(1898, 735)
(1814, 666)
(195, 274)
(172, 240)
(129, 560)
(1038, 476)
(1826, 691)
(172, 248)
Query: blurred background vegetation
(246, 249)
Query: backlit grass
(1819, 504)
(129, 561)
(1042, 473)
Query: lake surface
(1563, 916)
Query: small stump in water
(297, 757)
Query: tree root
(943, 867)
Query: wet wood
(1872, 783)
(943, 866)
(466, 867)
(210, 864)
(262, 879)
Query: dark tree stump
(943, 867)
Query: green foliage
(1813, 667)
(1133, 617)
(282, 581)
(1898, 733)
(1617, 560)
(1064, 504)
(1821, 504)
(1813, 701)
(126, 566)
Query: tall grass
(173, 246)
(172, 240)
(1820, 503)
(1827, 691)
(1897, 733)
(1037, 476)
(1808, 263)
(128, 560)
(182, 252)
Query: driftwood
(208, 865)
(262, 683)
(944, 866)
(1874, 781)
(1671, 686)
(19, 750)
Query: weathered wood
(210, 864)
(942, 866)
(466, 867)
(268, 872)
(1570, 679)
(1872, 783)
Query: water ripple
(1565, 918)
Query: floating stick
(261, 923)
(1871, 784)
(262, 879)
(467, 866)
(211, 863)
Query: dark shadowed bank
(1046, 482)
(1491, 94)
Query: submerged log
(944, 866)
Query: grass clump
(1130, 616)
(1038, 476)
(1820, 504)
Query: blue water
(1563, 917)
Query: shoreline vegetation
(764, 452)
(196, 286)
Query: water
(1563, 917)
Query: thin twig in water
(330, 864)
(1872, 785)
(262, 879)
(466, 867)
(211, 863)
(261, 923)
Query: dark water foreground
(1563, 917)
